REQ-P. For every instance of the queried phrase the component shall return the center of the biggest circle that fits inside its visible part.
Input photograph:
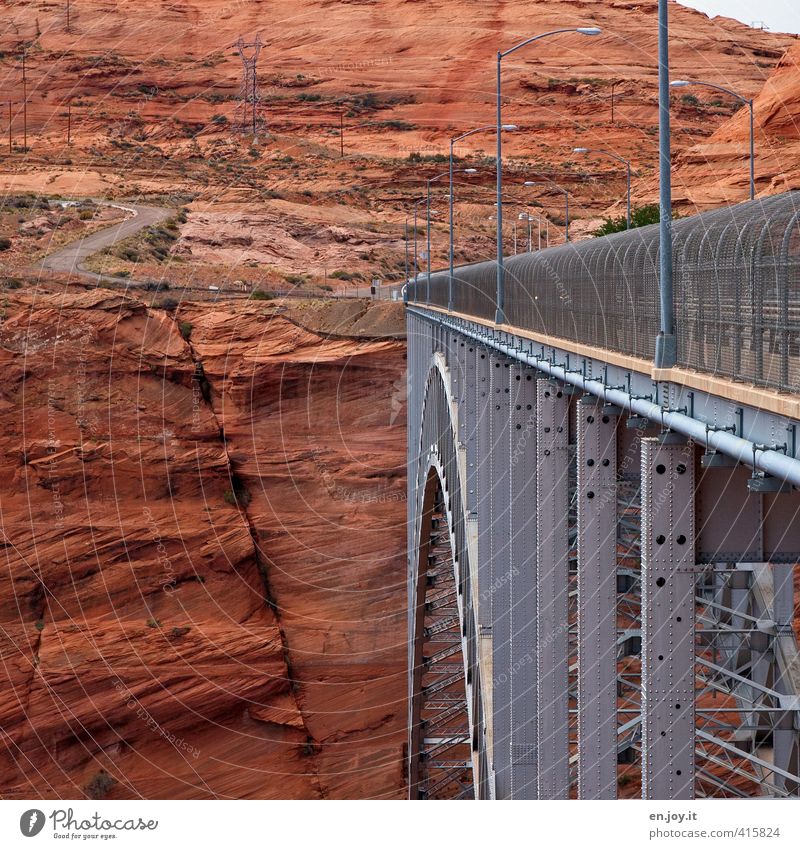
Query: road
(70, 259)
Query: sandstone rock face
(153, 89)
(163, 634)
(717, 171)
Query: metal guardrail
(736, 279)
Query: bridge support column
(552, 536)
(523, 629)
(668, 618)
(597, 601)
(499, 461)
(786, 735)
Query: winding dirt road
(71, 257)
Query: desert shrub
(129, 254)
(261, 295)
(185, 328)
(5, 243)
(641, 216)
(100, 785)
(237, 496)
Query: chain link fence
(736, 285)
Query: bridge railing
(737, 291)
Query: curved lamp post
(626, 163)
(507, 127)
(748, 101)
(416, 263)
(500, 316)
(433, 180)
(566, 200)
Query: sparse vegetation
(100, 785)
(185, 328)
(5, 243)
(238, 495)
(641, 216)
(261, 295)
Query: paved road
(70, 259)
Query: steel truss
(629, 619)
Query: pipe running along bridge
(602, 553)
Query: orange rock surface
(153, 90)
(716, 171)
(164, 634)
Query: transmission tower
(249, 117)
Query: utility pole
(666, 347)
(249, 117)
(24, 102)
(8, 104)
(613, 86)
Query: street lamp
(566, 200)
(749, 103)
(507, 127)
(501, 54)
(416, 263)
(526, 216)
(626, 163)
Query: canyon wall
(203, 592)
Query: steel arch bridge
(602, 555)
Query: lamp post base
(500, 317)
(666, 351)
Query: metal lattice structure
(737, 290)
(602, 557)
(249, 117)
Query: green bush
(261, 295)
(641, 216)
(185, 328)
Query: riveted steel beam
(500, 525)
(552, 541)
(597, 600)
(668, 619)
(523, 607)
